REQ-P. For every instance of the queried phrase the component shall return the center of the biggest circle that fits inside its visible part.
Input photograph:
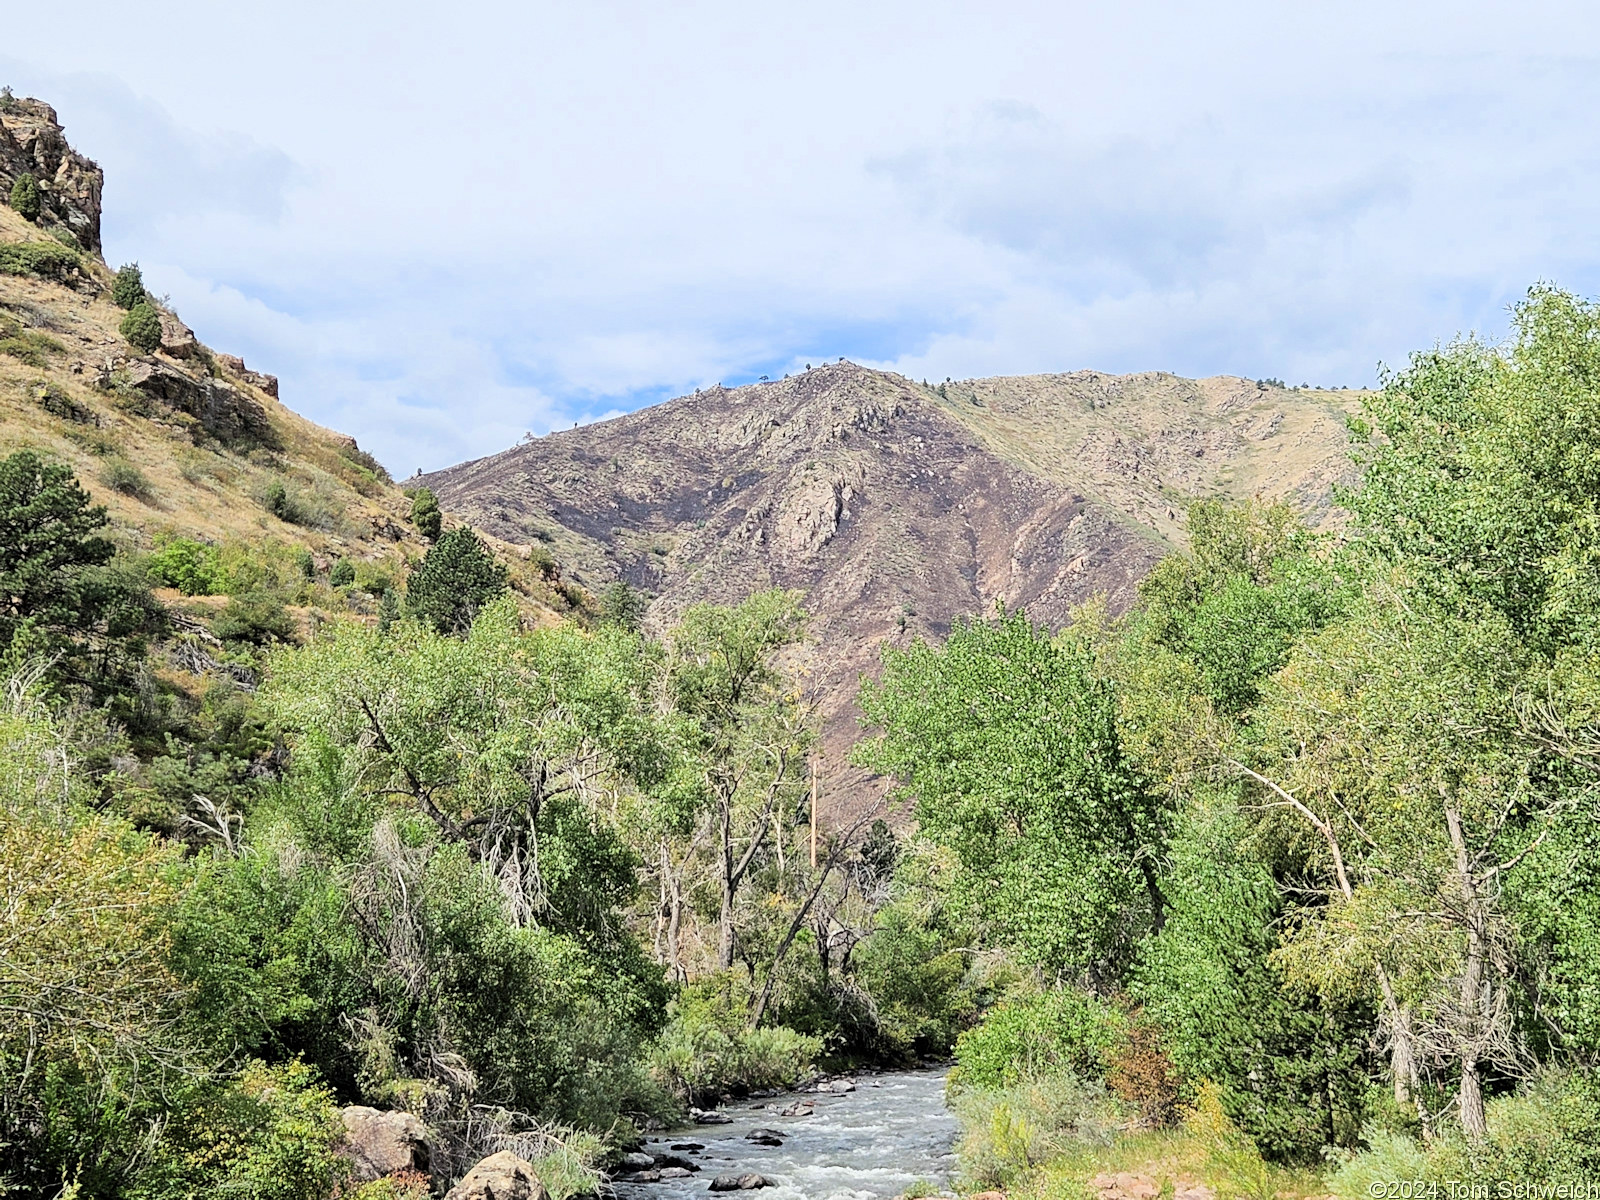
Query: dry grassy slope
(895, 507)
(198, 486)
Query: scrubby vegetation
(142, 327)
(1283, 879)
(26, 199)
(127, 288)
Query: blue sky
(443, 226)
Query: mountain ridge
(897, 507)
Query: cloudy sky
(443, 225)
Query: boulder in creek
(764, 1137)
(644, 1177)
(502, 1176)
(800, 1108)
(636, 1160)
(741, 1183)
(688, 1145)
(676, 1161)
(712, 1118)
(674, 1173)
(381, 1143)
(840, 1086)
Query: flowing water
(892, 1131)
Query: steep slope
(897, 507)
(182, 441)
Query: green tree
(142, 327)
(425, 514)
(26, 198)
(127, 289)
(1007, 742)
(743, 730)
(50, 546)
(455, 580)
(623, 605)
(342, 573)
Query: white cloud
(444, 227)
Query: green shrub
(364, 462)
(343, 573)
(120, 475)
(26, 198)
(707, 1047)
(128, 288)
(624, 605)
(142, 327)
(305, 563)
(270, 1134)
(49, 260)
(299, 506)
(1006, 1132)
(258, 618)
(1036, 1034)
(192, 567)
(1548, 1131)
(425, 514)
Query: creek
(875, 1142)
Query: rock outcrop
(381, 1143)
(502, 1176)
(31, 141)
(221, 410)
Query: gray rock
(381, 1143)
(840, 1086)
(741, 1183)
(688, 1145)
(712, 1118)
(644, 1177)
(502, 1176)
(636, 1161)
(674, 1160)
(674, 1173)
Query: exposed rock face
(502, 1176)
(898, 508)
(31, 141)
(381, 1143)
(223, 411)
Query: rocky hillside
(897, 507)
(184, 440)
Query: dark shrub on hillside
(49, 260)
(25, 196)
(425, 514)
(128, 289)
(258, 618)
(343, 573)
(122, 476)
(142, 327)
(457, 578)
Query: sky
(447, 226)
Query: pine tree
(425, 514)
(128, 289)
(459, 576)
(142, 327)
(25, 196)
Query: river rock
(636, 1160)
(644, 1177)
(675, 1161)
(381, 1143)
(688, 1145)
(502, 1176)
(840, 1086)
(741, 1183)
(674, 1173)
(712, 1118)
(764, 1137)
(800, 1108)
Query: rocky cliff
(32, 141)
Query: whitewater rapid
(875, 1142)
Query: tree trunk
(1473, 1121)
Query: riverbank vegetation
(1283, 880)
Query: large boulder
(381, 1143)
(742, 1183)
(502, 1176)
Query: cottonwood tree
(1007, 742)
(743, 728)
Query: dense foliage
(26, 199)
(1304, 844)
(142, 327)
